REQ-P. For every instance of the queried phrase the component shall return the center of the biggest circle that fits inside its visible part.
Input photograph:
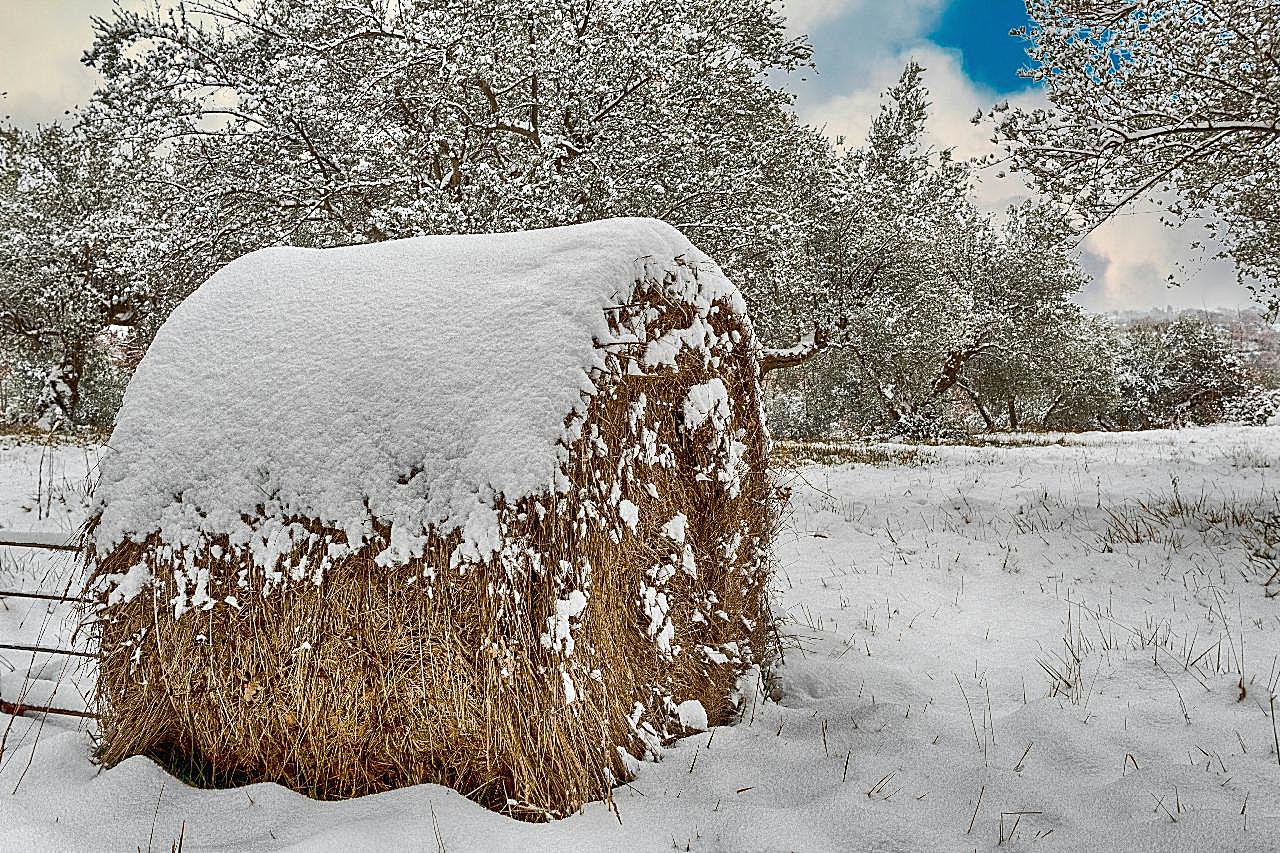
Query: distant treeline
(1131, 371)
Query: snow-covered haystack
(489, 511)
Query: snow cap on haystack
(486, 510)
(314, 383)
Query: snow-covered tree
(73, 238)
(922, 287)
(341, 121)
(1176, 101)
(1183, 372)
(1059, 375)
(894, 213)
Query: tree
(893, 213)
(1060, 375)
(330, 122)
(922, 288)
(75, 239)
(1175, 101)
(1183, 372)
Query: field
(1047, 644)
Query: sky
(971, 62)
(979, 30)
(860, 47)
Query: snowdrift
(489, 511)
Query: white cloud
(856, 39)
(40, 47)
(803, 14)
(1130, 257)
(954, 99)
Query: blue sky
(848, 36)
(979, 29)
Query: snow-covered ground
(45, 487)
(1039, 648)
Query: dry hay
(793, 454)
(376, 678)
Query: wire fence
(49, 542)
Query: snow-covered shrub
(101, 390)
(929, 425)
(484, 511)
(1258, 407)
(34, 392)
(19, 389)
(789, 414)
(1178, 373)
(1058, 374)
(814, 401)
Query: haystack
(487, 511)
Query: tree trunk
(953, 367)
(61, 392)
(798, 353)
(977, 404)
(1013, 415)
(1052, 410)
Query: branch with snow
(808, 347)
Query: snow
(126, 587)
(693, 717)
(630, 513)
(413, 382)
(41, 539)
(688, 562)
(675, 528)
(664, 350)
(924, 600)
(708, 401)
(44, 495)
(655, 605)
(559, 635)
(45, 488)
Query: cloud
(804, 14)
(39, 57)
(953, 98)
(1130, 258)
(854, 39)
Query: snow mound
(413, 382)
